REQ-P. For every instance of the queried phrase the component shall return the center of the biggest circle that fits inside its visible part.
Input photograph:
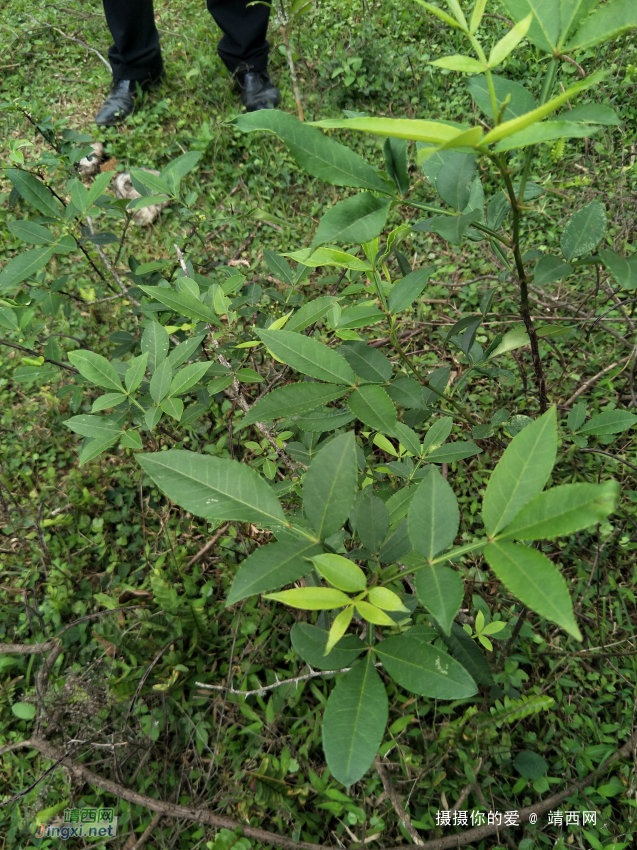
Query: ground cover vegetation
(318, 494)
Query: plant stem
(295, 82)
(547, 88)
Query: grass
(75, 539)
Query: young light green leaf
(22, 267)
(457, 62)
(609, 422)
(290, 401)
(329, 487)
(187, 377)
(433, 517)
(371, 404)
(583, 231)
(311, 642)
(271, 566)
(354, 722)
(316, 257)
(96, 369)
(437, 434)
(439, 13)
(135, 373)
(563, 510)
(476, 16)
(353, 221)
(182, 303)
(406, 290)
(493, 628)
(509, 42)
(546, 131)
(104, 402)
(521, 473)
(373, 614)
(160, 382)
(434, 132)
(423, 669)
(339, 627)
(384, 444)
(35, 193)
(340, 572)
(440, 589)
(308, 356)
(311, 598)
(315, 153)
(372, 521)
(213, 487)
(386, 599)
(536, 582)
(369, 363)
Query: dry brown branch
(26, 648)
(209, 545)
(394, 799)
(589, 383)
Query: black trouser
(136, 55)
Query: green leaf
(149, 181)
(329, 487)
(32, 233)
(530, 765)
(584, 231)
(35, 193)
(92, 448)
(545, 26)
(316, 257)
(451, 228)
(187, 377)
(517, 338)
(547, 131)
(521, 473)
(435, 132)
(371, 404)
(182, 165)
(396, 544)
(610, 422)
(353, 221)
(160, 382)
(549, 268)
(9, 319)
(152, 417)
(132, 440)
(372, 521)
(386, 599)
(433, 517)
(464, 650)
(405, 291)
(439, 13)
(135, 373)
(96, 369)
(515, 125)
(290, 401)
(185, 350)
(592, 113)
(534, 580)
(623, 269)
(315, 153)
(324, 419)
(437, 434)
(453, 452)
(369, 363)
(93, 426)
(311, 642)
(457, 62)
(605, 23)
(563, 510)
(155, 343)
(23, 266)
(360, 316)
(520, 102)
(423, 669)
(509, 42)
(396, 163)
(437, 379)
(311, 598)
(308, 356)
(23, 710)
(408, 439)
(182, 303)
(97, 188)
(313, 311)
(576, 416)
(172, 406)
(104, 402)
(354, 722)
(455, 178)
(340, 572)
(213, 487)
(440, 590)
(270, 567)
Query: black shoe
(121, 101)
(258, 91)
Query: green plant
(381, 557)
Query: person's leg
(244, 49)
(135, 53)
(135, 56)
(244, 46)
